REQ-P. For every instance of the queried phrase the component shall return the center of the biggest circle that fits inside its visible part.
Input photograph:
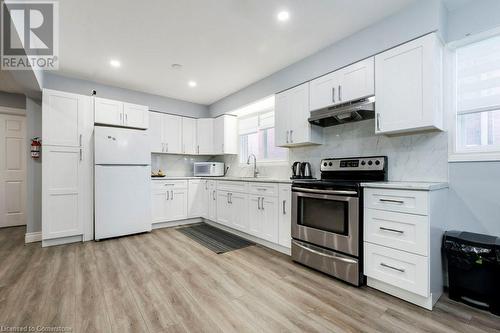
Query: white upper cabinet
(172, 134)
(292, 127)
(116, 113)
(155, 132)
(356, 81)
(205, 134)
(408, 81)
(135, 116)
(189, 142)
(353, 82)
(226, 135)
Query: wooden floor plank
(165, 282)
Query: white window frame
(261, 161)
(471, 154)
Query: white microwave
(208, 169)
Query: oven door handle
(308, 190)
(349, 261)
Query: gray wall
(155, 102)
(416, 20)
(12, 100)
(34, 168)
(476, 16)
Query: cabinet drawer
(400, 231)
(269, 189)
(170, 184)
(404, 201)
(401, 269)
(232, 186)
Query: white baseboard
(62, 240)
(33, 237)
(425, 302)
(176, 223)
(254, 239)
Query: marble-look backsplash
(415, 157)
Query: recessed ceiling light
(192, 84)
(176, 66)
(283, 16)
(115, 63)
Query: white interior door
(12, 170)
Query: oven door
(326, 218)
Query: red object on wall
(36, 147)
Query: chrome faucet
(255, 171)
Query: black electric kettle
(296, 170)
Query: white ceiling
(224, 45)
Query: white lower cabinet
(198, 198)
(263, 212)
(169, 200)
(403, 229)
(284, 215)
(223, 208)
(238, 206)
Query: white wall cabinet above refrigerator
(116, 113)
(350, 83)
(292, 127)
(408, 86)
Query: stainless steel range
(327, 216)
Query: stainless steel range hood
(358, 110)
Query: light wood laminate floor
(165, 282)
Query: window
(256, 133)
(478, 98)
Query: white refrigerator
(122, 182)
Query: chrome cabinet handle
(121, 118)
(126, 118)
(348, 261)
(168, 195)
(392, 267)
(213, 195)
(81, 154)
(287, 133)
(333, 94)
(258, 203)
(284, 203)
(198, 147)
(378, 122)
(340, 93)
(230, 198)
(172, 194)
(80, 139)
(291, 136)
(392, 230)
(262, 203)
(166, 147)
(392, 201)
(308, 190)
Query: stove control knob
(330, 164)
(325, 164)
(370, 162)
(363, 162)
(377, 162)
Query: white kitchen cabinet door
(155, 132)
(285, 217)
(270, 222)
(292, 127)
(172, 134)
(205, 136)
(254, 216)
(324, 91)
(159, 205)
(282, 121)
(189, 141)
(212, 201)
(135, 116)
(108, 112)
(223, 208)
(408, 87)
(62, 118)
(177, 205)
(198, 198)
(226, 135)
(62, 192)
(239, 211)
(356, 81)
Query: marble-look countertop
(240, 179)
(422, 186)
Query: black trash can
(473, 269)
